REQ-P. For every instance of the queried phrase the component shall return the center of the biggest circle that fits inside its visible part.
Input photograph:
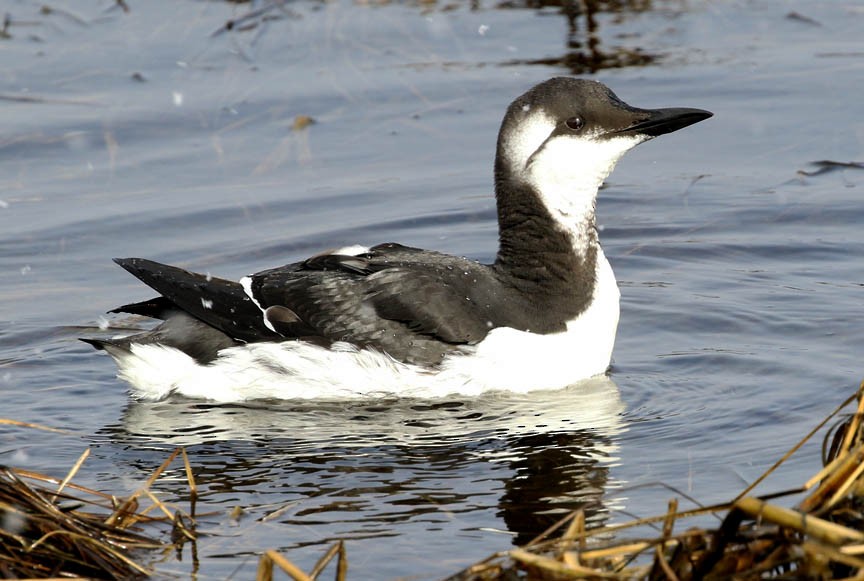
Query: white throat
(566, 170)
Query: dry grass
(271, 559)
(51, 528)
(821, 538)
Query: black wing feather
(221, 303)
(158, 308)
(428, 305)
(399, 299)
(415, 305)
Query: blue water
(741, 277)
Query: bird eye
(575, 123)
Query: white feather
(246, 283)
(565, 170)
(353, 250)
(568, 170)
(513, 360)
(523, 143)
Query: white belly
(506, 359)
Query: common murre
(397, 320)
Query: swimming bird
(396, 320)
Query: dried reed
(821, 538)
(46, 531)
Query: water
(150, 133)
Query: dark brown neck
(537, 254)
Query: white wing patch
(353, 250)
(246, 283)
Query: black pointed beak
(654, 122)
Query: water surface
(158, 133)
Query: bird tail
(220, 303)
